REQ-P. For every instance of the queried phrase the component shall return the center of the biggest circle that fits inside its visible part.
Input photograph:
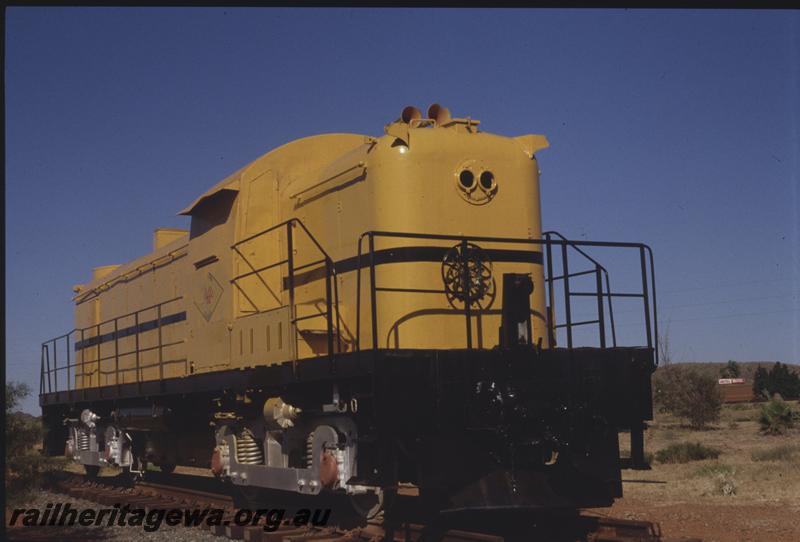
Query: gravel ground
(165, 533)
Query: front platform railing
(559, 252)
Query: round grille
(467, 275)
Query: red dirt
(715, 522)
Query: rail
(408, 518)
(75, 346)
(602, 287)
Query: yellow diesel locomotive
(348, 313)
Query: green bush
(688, 394)
(26, 467)
(784, 452)
(731, 370)
(776, 416)
(780, 379)
(684, 452)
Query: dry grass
(683, 452)
(752, 468)
(781, 452)
(715, 469)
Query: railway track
(189, 492)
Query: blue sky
(674, 128)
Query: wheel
(91, 471)
(167, 468)
(351, 511)
(367, 505)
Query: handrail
(171, 256)
(647, 294)
(49, 375)
(121, 317)
(598, 265)
(553, 232)
(46, 371)
(331, 293)
(295, 221)
(360, 164)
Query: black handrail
(331, 293)
(648, 287)
(598, 267)
(49, 385)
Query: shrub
(722, 478)
(684, 452)
(731, 370)
(25, 466)
(724, 484)
(778, 380)
(776, 416)
(688, 394)
(761, 383)
(784, 452)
